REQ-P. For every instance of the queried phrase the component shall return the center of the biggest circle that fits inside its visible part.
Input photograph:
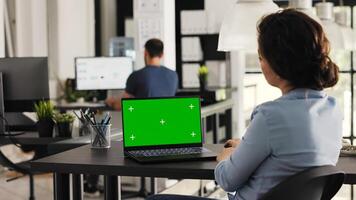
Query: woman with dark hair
(299, 130)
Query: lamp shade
(333, 32)
(305, 6)
(238, 29)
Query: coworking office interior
(63, 60)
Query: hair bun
(330, 73)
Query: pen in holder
(100, 135)
(100, 132)
(84, 128)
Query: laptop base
(210, 155)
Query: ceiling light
(238, 29)
(305, 6)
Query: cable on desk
(9, 134)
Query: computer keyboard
(168, 152)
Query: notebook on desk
(163, 129)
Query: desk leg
(153, 185)
(201, 192)
(112, 185)
(228, 123)
(215, 127)
(217, 122)
(203, 121)
(61, 186)
(77, 181)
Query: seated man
(154, 80)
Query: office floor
(18, 189)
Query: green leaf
(44, 110)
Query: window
(343, 91)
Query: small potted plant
(45, 123)
(203, 78)
(64, 123)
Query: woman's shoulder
(265, 109)
(266, 106)
(283, 107)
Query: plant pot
(45, 127)
(64, 129)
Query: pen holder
(100, 136)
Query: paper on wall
(193, 22)
(147, 29)
(217, 73)
(191, 49)
(149, 6)
(190, 75)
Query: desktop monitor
(123, 47)
(102, 73)
(25, 81)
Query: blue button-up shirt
(301, 129)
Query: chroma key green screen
(164, 121)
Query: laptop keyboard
(168, 152)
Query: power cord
(9, 134)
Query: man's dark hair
(154, 47)
(296, 48)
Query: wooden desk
(112, 163)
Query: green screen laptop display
(164, 121)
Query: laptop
(163, 129)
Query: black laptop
(163, 129)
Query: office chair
(319, 183)
(175, 197)
(23, 168)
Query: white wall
(64, 32)
(237, 62)
(108, 24)
(169, 34)
(71, 34)
(30, 27)
(2, 30)
(156, 22)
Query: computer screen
(161, 121)
(102, 73)
(25, 81)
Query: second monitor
(102, 73)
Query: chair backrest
(319, 183)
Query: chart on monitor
(102, 73)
